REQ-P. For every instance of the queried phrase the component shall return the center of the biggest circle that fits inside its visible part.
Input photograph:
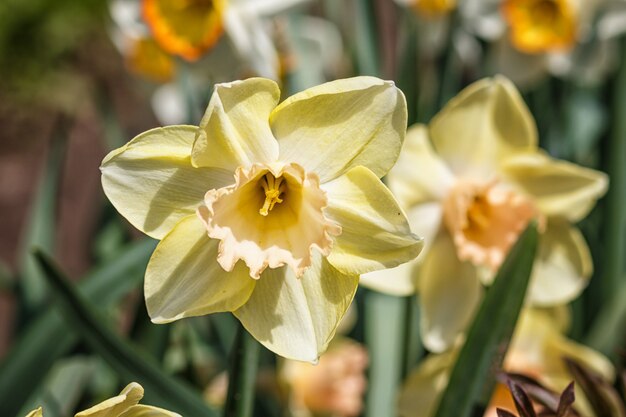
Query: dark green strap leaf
(489, 335)
(46, 338)
(161, 389)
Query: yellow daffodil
(541, 25)
(187, 28)
(537, 350)
(124, 405)
(470, 182)
(268, 210)
(430, 8)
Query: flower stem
(242, 375)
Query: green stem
(242, 378)
(615, 217)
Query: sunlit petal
(183, 278)
(115, 406)
(563, 265)
(375, 232)
(297, 317)
(407, 179)
(485, 122)
(151, 182)
(333, 127)
(559, 188)
(449, 291)
(235, 129)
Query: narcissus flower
(124, 405)
(470, 182)
(537, 350)
(430, 8)
(541, 25)
(268, 210)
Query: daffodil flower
(124, 405)
(430, 8)
(470, 182)
(565, 38)
(537, 350)
(268, 210)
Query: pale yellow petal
(559, 188)
(562, 267)
(36, 413)
(449, 292)
(115, 406)
(399, 281)
(375, 233)
(148, 411)
(485, 122)
(297, 317)
(425, 220)
(420, 175)
(183, 277)
(423, 388)
(151, 182)
(235, 129)
(335, 126)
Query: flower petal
(36, 413)
(148, 411)
(235, 129)
(450, 293)
(402, 280)
(333, 127)
(375, 232)
(420, 175)
(297, 317)
(563, 265)
(183, 277)
(424, 387)
(151, 182)
(559, 188)
(485, 122)
(115, 406)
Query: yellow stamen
(273, 188)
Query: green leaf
(161, 389)
(40, 229)
(242, 375)
(385, 344)
(489, 335)
(46, 338)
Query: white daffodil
(470, 182)
(268, 210)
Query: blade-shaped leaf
(489, 335)
(161, 389)
(46, 338)
(40, 229)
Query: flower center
(485, 220)
(539, 26)
(239, 216)
(273, 188)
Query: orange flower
(187, 28)
(539, 26)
